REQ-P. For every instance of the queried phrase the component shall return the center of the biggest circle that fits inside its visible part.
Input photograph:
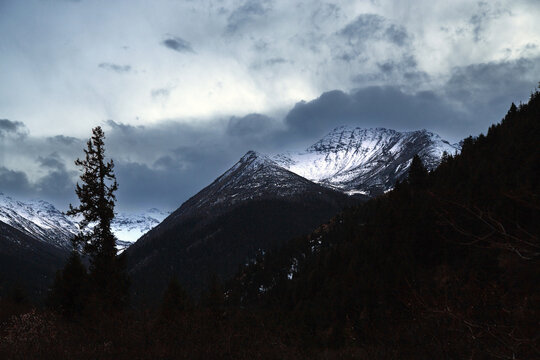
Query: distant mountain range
(42, 221)
(263, 201)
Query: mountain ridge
(365, 160)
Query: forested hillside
(446, 265)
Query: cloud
(275, 61)
(373, 27)
(13, 182)
(162, 93)
(52, 161)
(12, 128)
(178, 44)
(486, 90)
(166, 162)
(370, 40)
(56, 185)
(484, 14)
(373, 106)
(474, 97)
(363, 27)
(248, 13)
(397, 34)
(250, 125)
(120, 69)
(123, 128)
(63, 140)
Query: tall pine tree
(97, 200)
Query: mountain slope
(38, 219)
(255, 205)
(27, 263)
(367, 161)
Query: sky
(183, 88)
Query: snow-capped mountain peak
(39, 219)
(129, 227)
(254, 176)
(365, 160)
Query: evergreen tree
(69, 289)
(417, 173)
(97, 199)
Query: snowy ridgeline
(356, 160)
(44, 222)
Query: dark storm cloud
(473, 98)
(56, 185)
(56, 181)
(12, 128)
(249, 125)
(487, 89)
(178, 44)
(171, 179)
(52, 161)
(115, 67)
(141, 186)
(248, 13)
(374, 106)
(13, 182)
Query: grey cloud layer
(472, 99)
(244, 55)
(12, 128)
